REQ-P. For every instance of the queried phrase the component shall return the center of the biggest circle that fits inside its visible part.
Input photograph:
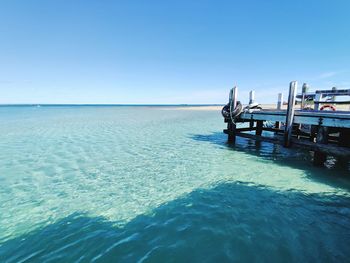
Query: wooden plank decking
(339, 119)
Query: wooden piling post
(251, 97)
(313, 132)
(230, 96)
(321, 138)
(304, 90)
(234, 97)
(231, 126)
(251, 101)
(344, 137)
(279, 107)
(344, 141)
(259, 127)
(290, 113)
(251, 125)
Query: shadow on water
(335, 173)
(232, 222)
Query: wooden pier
(325, 132)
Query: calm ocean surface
(157, 184)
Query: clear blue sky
(83, 51)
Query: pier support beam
(344, 141)
(290, 113)
(313, 132)
(259, 127)
(231, 127)
(344, 137)
(321, 138)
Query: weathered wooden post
(313, 132)
(251, 97)
(279, 107)
(290, 113)
(344, 137)
(259, 127)
(344, 141)
(304, 90)
(234, 97)
(231, 126)
(251, 101)
(321, 138)
(259, 124)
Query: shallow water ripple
(143, 184)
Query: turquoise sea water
(159, 184)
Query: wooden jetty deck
(325, 132)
